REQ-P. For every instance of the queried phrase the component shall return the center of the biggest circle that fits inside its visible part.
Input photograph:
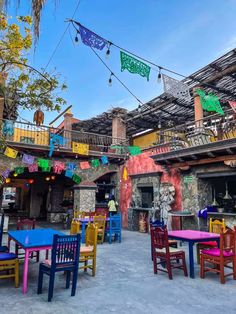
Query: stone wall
(84, 198)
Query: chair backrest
(159, 238)
(115, 222)
(100, 221)
(75, 226)
(216, 225)
(227, 241)
(1, 228)
(157, 223)
(78, 214)
(65, 250)
(25, 224)
(91, 235)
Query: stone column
(68, 127)
(198, 111)
(118, 126)
(85, 196)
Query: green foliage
(20, 84)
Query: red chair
(219, 258)
(161, 250)
(25, 224)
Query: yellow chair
(88, 253)
(100, 221)
(215, 226)
(78, 214)
(9, 267)
(75, 226)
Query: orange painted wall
(144, 164)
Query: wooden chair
(75, 226)
(166, 254)
(215, 227)
(9, 267)
(3, 248)
(219, 258)
(100, 221)
(113, 229)
(88, 253)
(25, 224)
(65, 257)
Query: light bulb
(159, 76)
(77, 38)
(108, 53)
(110, 80)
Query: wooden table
(193, 236)
(31, 241)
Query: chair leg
(222, 273)
(16, 249)
(184, 266)
(51, 286)
(85, 264)
(234, 268)
(168, 266)
(68, 275)
(94, 267)
(40, 281)
(202, 271)
(198, 253)
(120, 237)
(154, 258)
(37, 256)
(17, 274)
(74, 282)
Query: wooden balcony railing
(28, 134)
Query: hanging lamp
(214, 200)
(227, 196)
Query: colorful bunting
(134, 66)
(8, 127)
(210, 102)
(19, 170)
(58, 167)
(91, 39)
(28, 159)
(176, 88)
(80, 148)
(232, 105)
(125, 174)
(95, 163)
(76, 179)
(33, 168)
(55, 139)
(104, 160)
(6, 173)
(134, 150)
(84, 165)
(119, 149)
(71, 166)
(10, 152)
(44, 164)
(69, 173)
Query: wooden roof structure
(218, 77)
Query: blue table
(193, 236)
(31, 241)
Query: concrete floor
(124, 283)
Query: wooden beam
(203, 161)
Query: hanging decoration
(91, 39)
(210, 102)
(44, 165)
(33, 168)
(19, 170)
(76, 179)
(232, 105)
(69, 173)
(125, 174)
(6, 173)
(8, 127)
(38, 117)
(58, 167)
(176, 88)
(55, 139)
(134, 150)
(104, 160)
(80, 148)
(95, 163)
(70, 166)
(84, 165)
(133, 65)
(28, 159)
(10, 152)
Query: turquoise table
(31, 241)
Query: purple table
(84, 222)
(193, 236)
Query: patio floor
(124, 283)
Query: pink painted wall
(144, 164)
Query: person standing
(112, 205)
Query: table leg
(25, 275)
(83, 232)
(191, 261)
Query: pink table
(31, 241)
(193, 236)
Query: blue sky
(181, 35)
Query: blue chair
(114, 227)
(65, 257)
(3, 249)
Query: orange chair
(215, 227)
(220, 257)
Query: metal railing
(29, 134)
(210, 129)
